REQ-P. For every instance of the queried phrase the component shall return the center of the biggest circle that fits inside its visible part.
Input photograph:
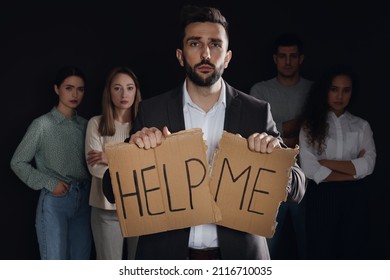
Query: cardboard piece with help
(164, 188)
(249, 186)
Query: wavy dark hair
(316, 107)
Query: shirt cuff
(321, 174)
(361, 167)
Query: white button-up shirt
(347, 136)
(211, 123)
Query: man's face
(204, 55)
(288, 60)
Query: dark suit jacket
(244, 115)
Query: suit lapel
(233, 110)
(175, 110)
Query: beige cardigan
(94, 141)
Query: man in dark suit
(206, 101)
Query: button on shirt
(211, 123)
(57, 145)
(347, 136)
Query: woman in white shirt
(337, 151)
(121, 96)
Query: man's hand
(262, 142)
(147, 138)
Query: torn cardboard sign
(164, 188)
(249, 186)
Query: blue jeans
(63, 223)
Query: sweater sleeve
(23, 158)
(94, 141)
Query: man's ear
(179, 56)
(275, 58)
(228, 57)
(301, 58)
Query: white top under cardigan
(347, 136)
(94, 141)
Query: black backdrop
(36, 39)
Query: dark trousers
(337, 220)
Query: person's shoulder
(82, 120)
(42, 122)
(261, 89)
(44, 119)
(264, 84)
(95, 119)
(246, 98)
(306, 82)
(356, 119)
(253, 101)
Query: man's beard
(198, 80)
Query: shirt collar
(345, 115)
(59, 117)
(188, 101)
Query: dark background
(36, 39)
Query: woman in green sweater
(50, 158)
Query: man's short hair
(288, 39)
(191, 13)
